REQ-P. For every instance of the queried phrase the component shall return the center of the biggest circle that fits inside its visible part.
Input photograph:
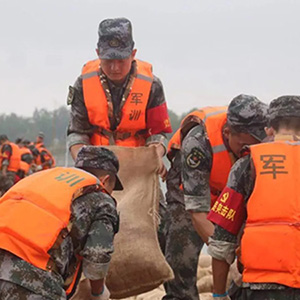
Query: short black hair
(290, 123)
(3, 137)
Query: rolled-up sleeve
(157, 117)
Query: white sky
(204, 51)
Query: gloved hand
(39, 168)
(103, 296)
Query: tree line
(53, 123)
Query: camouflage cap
(41, 134)
(99, 158)
(248, 114)
(3, 137)
(284, 106)
(115, 39)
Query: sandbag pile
(204, 282)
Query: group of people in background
(232, 185)
(22, 158)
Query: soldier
(45, 160)
(10, 158)
(117, 99)
(26, 158)
(212, 140)
(69, 225)
(261, 202)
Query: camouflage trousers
(183, 246)
(11, 291)
(284, 294)
(6, 182)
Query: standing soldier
(117, 99)
(212, 140)
(262, 205)
(55, 224)
(10, 158)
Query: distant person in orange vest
(10, 158)
(45, 160)
(57, 223)
(202, 152)
(117, 99)
(27, 158)
(260, 206)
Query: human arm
(157, 122)
(46, 159)
(6, 153)
(95, 224)
(196, 166)
(79, 129)
(228, 215)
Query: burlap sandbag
(138, 264)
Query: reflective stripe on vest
(36, 210)
(271, 240)
(15, 159)
(214, 119)
(133, 117)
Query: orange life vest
(24, 166)
(214, 119)
(35, 213)
(14, 162)
(271, 239)
(133, 114)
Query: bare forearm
(97, 286)
(203, 227)
(75, 149)
(220, 272)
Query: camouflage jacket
(80, 129)
(95, 222)
(197, 159)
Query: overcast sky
(204, 51)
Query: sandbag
(137, 265)
(205, 284)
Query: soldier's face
(117, 69)
(238, 140)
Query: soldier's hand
(162, 171)
(103, 296)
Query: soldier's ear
(97, 51)
(226, 131)
(133, 53)
(269, 131)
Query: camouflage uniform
(183, 244)
(6, 182)
(223, 244)
(118, 32)
(95, 222)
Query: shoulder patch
(70, 95)
(194, 158)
